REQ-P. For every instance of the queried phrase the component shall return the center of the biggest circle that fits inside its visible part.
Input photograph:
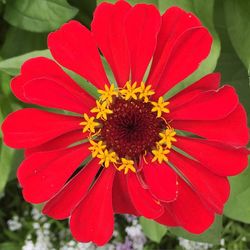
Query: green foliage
(37, 15)
(12, 66)
(212, 235)
(9, 246)
(5, 165)
(231, 67)
(238, 206)
(154, 231)
(237, 14)
(86, 9)
(30, 41)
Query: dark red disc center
(132, 129)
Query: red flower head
(137, 160)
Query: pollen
(89, 124)
(167, 137)
(108, 93)
(102, 110)
(160, 107)
(126, 166)
(145, 92)
(130, 91)
(160, 154)
(106, 157)
(96, 148)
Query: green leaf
(232, 69)
(9, 246)
(204, 10)
(212, 235)
(30, 41)
(37, 15)
(5, 165)
(12, 66)
(5, 83)
(86, 9)
(153, 230)
(238, 206)
(237, 14)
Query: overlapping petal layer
(74, 47)
(159, 178)
(72, 193)
(31, 127)
(109, 31)
(217, 157)
(92, 222)
(41, 175)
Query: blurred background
(24, 26)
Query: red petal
(43, 82)
(73, 47)
(167, 219)
(43, 174)
(143, 201)
(41, 67)
(60, 142)
(50, 93)
(219, 158)
(62, 204)
(121, 200)
(231, 130)
(175, 21)
(208, 82)
(31, 127)
(161, 180)
(93, 218)
(109, 31)
(210, 187)
(189, 50)
(209, 105)
(189, 211)
(142, 26)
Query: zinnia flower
(166, 160)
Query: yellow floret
(126, 166)
(160, 107)
(89, 124)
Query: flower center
(132, 128)
(127, 126)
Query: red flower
(141, 164)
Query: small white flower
(14, 223)
(194, 245)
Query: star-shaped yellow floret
(108, 93)
(160, 107)
(107, 157)
(102, 110)
(96, 148)
(145, 92)
(126, 166)
(167, 137)
(130, 91)
(89, 124)
(160, 154)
